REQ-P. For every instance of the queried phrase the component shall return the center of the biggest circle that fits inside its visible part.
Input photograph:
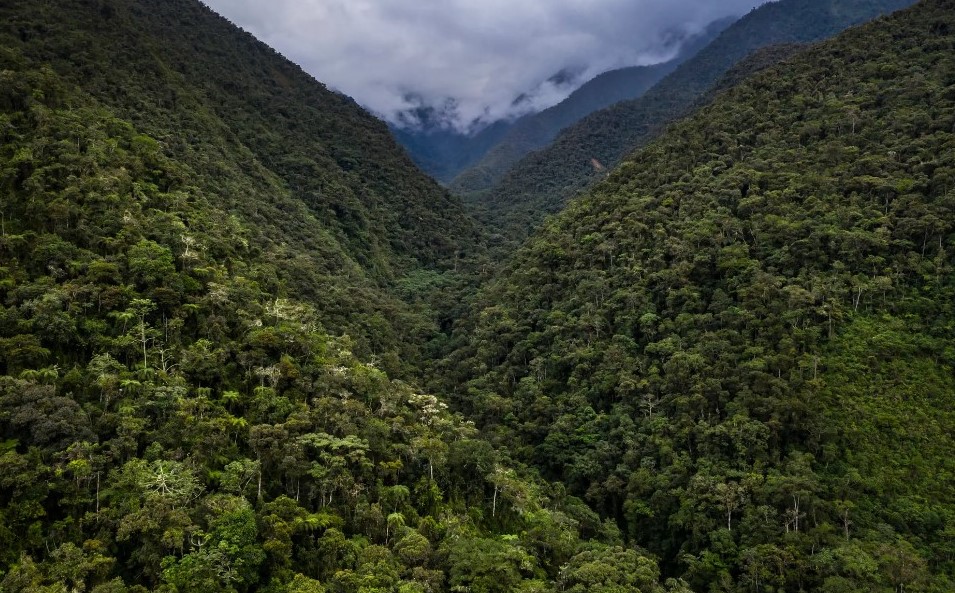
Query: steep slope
(541, 183)
(303, 133)
(332, 203)
(739, 345)
(176, 413)
(759, 60)
(537, 130)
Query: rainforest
(692, 332)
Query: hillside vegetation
(541, 183)
(212, 272)
(739, 346)
(537, 130)
(330, 207)
(729, 368)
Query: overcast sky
(473, 57)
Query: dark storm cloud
(477, 55)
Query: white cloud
(481, 54)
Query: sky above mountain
(472, 61)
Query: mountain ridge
(542, 182)
(222, 289)
(208, 354)
(535, 131)
(736, 344)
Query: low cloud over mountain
(477, 61)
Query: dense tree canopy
(739, 345)
(198, 318)
(541, 183)
(222, 288)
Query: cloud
(478, 56)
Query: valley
(246, 344)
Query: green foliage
(610, 570)
(737, 346)
(235, 157)
(542, 182)
(217, 281)
(214, 272)
(487, 565)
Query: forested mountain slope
(739, 346)
(535, 131)
(188, 225)
(541, 183)
(333, 209)
(759, 60)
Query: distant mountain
(541, 183)
(442, 152)
(464, 159)
(535, 131)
